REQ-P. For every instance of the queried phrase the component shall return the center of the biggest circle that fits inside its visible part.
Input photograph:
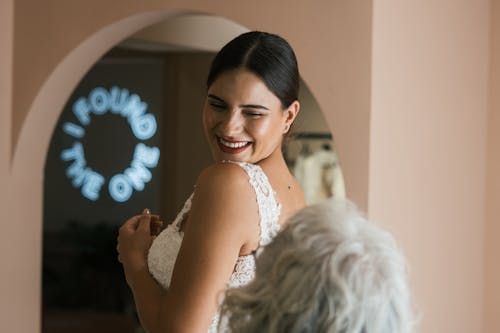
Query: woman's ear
(290, 114)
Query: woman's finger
(144, 224)
(130, 224)
(155, 227)
(155, 217)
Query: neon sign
(143, 125)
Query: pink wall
(427, 155)
(492, 232)
(10, 269)
(405, 95)
(6, 41)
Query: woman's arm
(223, 218)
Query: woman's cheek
(209, 119)
(260, 127)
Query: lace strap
(185, 209)
(269, 208)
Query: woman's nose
(231, 124)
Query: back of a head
(329, 270)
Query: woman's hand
(134, 240)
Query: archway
(76, 225)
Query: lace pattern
(163, 252)
(269, 208)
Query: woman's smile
(232, 147)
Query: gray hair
(329, 270)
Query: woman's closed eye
(217, 106)
(253, 114)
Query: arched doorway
(81, 232)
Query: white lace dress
(164, 250)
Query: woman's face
(243, 119)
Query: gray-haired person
(329, 270)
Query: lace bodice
(165, 247)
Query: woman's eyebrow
(254, 106)
(251, 106)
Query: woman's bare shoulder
(225, 200)
(223, 176)
(225, 186)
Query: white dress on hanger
(164, 250)
(320, 176)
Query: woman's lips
(232, 147)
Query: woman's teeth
(233, 144)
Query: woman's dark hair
(268, 56)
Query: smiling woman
(247, 122)
(237, 207)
